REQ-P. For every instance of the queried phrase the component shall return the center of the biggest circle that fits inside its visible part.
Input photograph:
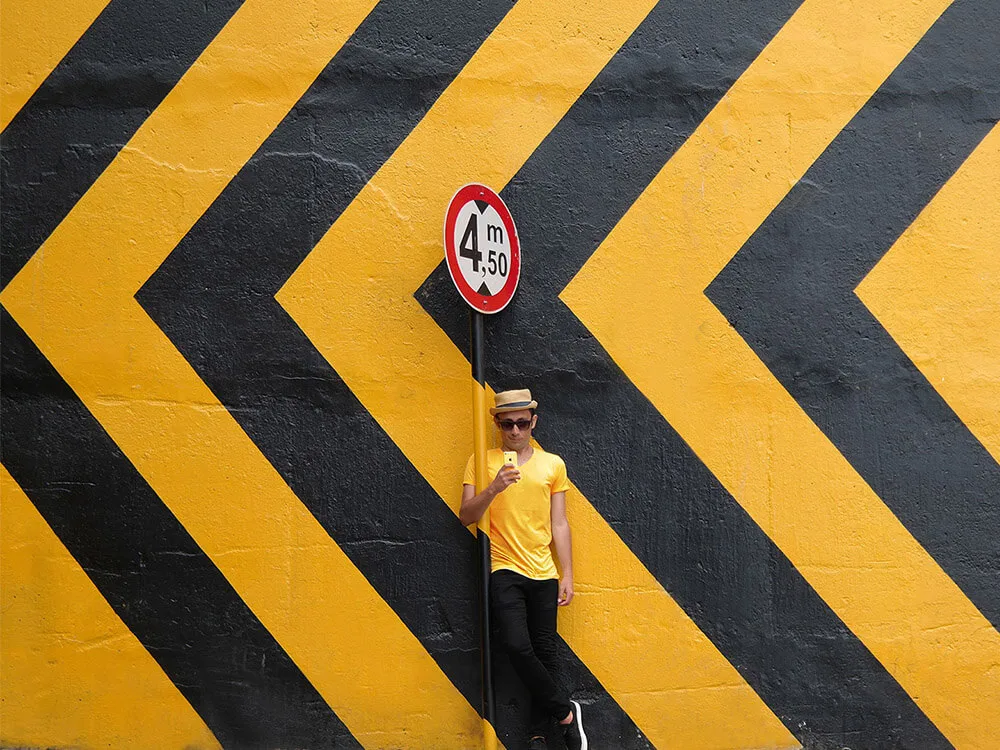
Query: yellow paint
(479, 440)
(34, 37)
(709, 385)
(75, 300)
(81, 679)
(490, 739)
(68, 666)
(647, 653)
(483, 526)
(937, 292)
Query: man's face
(515, 428)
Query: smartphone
(510, 458)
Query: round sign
(481, 248)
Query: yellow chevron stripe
(662, 670)
(710, 386)
(937, 291)
(34, 37)
(73, 675)
(75, 299)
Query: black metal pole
(477, 340)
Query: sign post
(483, 256)
(483, 527)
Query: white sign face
(483, 248)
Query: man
(527, 505)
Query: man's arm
(564, 547)
(473, 505)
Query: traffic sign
(481, 248)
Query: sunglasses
(509, 424)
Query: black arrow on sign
(789, 293)
(638, 472)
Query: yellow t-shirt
(520, 516)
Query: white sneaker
(576, 738)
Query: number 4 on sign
(472, 253)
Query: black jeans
(524, 611)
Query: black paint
(789, 293)
(154, 576)
(88, 108)
(636, 470)
(214, 297)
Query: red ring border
(480, 303)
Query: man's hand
(565, 591)
(505, 478)
(473, 505)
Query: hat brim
(516, 406)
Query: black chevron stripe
(171, 597)
(88, 108)
(283, 201)
(254, 358)
(671, 511)
(789, 293)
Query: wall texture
(758, 307)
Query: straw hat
(513, 401)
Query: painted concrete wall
(758, 309)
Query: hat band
(513, 405)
